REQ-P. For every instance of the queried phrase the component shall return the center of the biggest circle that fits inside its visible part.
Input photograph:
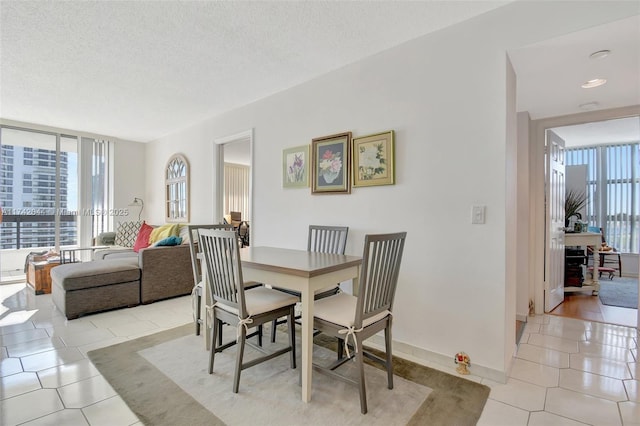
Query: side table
(72, 255)
(39, 277)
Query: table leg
(307, 343)
(596, 275)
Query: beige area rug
(163, 379)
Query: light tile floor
(566, 371)
(45, 375)
(569, 372)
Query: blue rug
(620, 291)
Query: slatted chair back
(379, 274)
(224, 272)
(327, 239)
(194, 248)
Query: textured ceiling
(141, 70)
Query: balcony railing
(25, 231)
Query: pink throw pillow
(142, 241)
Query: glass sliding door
(38, 195)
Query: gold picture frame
(374, 160)
(295, 167)
(331, 164)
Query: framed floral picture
(295, 167)
(373, 160)
(331, 164)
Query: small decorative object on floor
(463, 361)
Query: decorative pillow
(164, 231)
(169, 241)
(106, 238)
(184, 234)
(143, 237)
(127, 233)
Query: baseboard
(436, 360)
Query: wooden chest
(38, 276)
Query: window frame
(176, 208)
(603, 197)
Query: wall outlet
(478, 214)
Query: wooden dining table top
(295, 262)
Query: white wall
(511, 205)
(129, 177)
(523, 295)
(445, 96)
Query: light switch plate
(478, 214)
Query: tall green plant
(573, 203)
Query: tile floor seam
(622, 422)
(596, 374)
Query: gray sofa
(119, 277)
(84, 288)
(164, 271)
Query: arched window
(177, 189)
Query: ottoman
(84, 288)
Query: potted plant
(573, 203)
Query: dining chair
(196, 293)
(196, 266)
(359, 317)
(606, 257)
(239, 307)
(321, 239)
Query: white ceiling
(141, 70)
(551, 72)
(601, 132)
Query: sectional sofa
(119, 277)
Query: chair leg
(239, 355)
(219, 324)
(274, 323)
(619, 266)
(198, 307)
(340, 349)
(292, 336)
(361, 385)
(260, 335)
(387, 344)
(214, 332)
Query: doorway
(234, 182)
(584, 305)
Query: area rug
(621, 291)
(161, 391)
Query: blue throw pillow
(169, 241)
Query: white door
(554, 267)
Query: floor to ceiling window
(613, 190)
(55, 191)
(39, 183)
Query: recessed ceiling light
(600, 54)
(589, 106)
(593, 83)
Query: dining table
(302, 271)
